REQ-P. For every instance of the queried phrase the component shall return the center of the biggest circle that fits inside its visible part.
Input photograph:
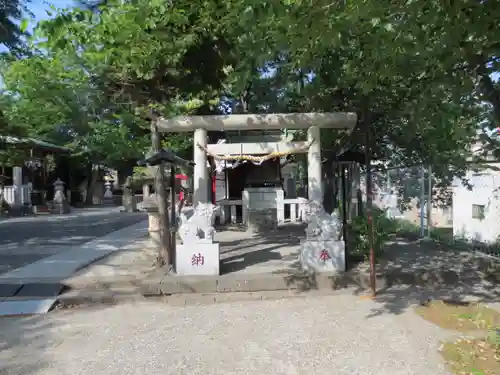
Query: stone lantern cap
(58, 182)
(166, 156)
(150, 204)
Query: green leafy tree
(412, 72)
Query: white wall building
(476, 212)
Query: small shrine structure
(261, 203)
(28, 182)
(260, 185)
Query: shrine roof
(33, 143)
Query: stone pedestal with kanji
(322, 256)
(322, 250)
(198, 254)
(197, 258)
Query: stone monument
(129, 201)
(198, 254)
(322, 250)
(260, 206)
(59, 204)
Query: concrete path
(339, 334)
(33, 288)
(131, 262)
(275, 251)
(29, 239)
(65, 263)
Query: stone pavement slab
(339, 334)
(65, 263)
(28, 241)
(75, 213)
(34, 289)
(39, 290)
(133, 262)
(26, 307)
(9, 290)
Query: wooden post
(164, 249)
(344, 206)
(429, 201)
(173, 220)
(369, 209)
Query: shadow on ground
(413, 272)
(410, 272)
(280, 246)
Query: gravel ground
(339, 334)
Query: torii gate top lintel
(332, 120)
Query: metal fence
(409, 195)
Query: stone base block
(197, 258)
(109, 201)
(60, 208)
(322, 256)
(261, 220)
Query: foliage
(9, 155)
(417, 73)
(64, 108)
(13, 25)
(145, 55)
(358, 233)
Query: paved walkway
(338, 334)
(273, 251)
(33, 288)
(28, 239)
(66, 262)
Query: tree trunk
(164, 253)
(91, 182)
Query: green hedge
(357, 233)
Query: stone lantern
(150, 206)
(108, 198)
(60, 204)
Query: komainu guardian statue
(198, 225)
(320, 225)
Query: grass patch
(471, 357)
(467, 356)
(461, 317)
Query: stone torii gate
(313, 122)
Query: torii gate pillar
(200, 180)
(314, 175)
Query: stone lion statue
(321, 225)
(196, 224)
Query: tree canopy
(13, 25)
(418, 73)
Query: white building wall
(485, 192)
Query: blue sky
(40, 7)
